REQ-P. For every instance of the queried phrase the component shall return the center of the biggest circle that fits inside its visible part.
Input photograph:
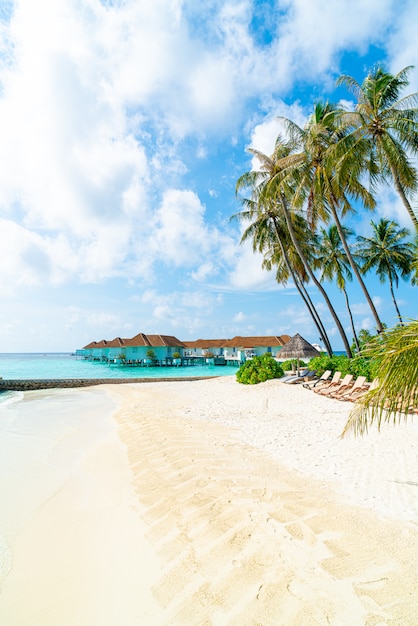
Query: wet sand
(210, 502)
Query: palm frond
(396, 396)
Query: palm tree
(321, 181)
(384, 129)
(269, 236)
(262, 193)
(414, 265)
(288, 264)
(396, 355)
(330, 256)
(387, 254)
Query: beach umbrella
(297, 348)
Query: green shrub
(259, 369)
(358, 366)
(150, 354)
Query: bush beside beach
(259, 369)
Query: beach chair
(297, 380)
(318, 381)
(360, 384)
(359, 393)
(292, 377)
(345, 384)
(332, 384)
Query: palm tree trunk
(314, 278)
(394, 300)
(322, 332)
(352, 321)
(304, 294)
(355, 268)
(404, 199)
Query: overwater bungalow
(244, 348)
(205, 347)
(141, 349)
(145, 349)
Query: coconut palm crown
(388, 254)
(311, 176)
(384, 131)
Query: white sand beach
(210, 503)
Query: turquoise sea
(66, 365)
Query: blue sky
(124, 127)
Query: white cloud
(248, 273)
(181, 235)
(312, 34)
(204, 271)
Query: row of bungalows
(136, 350)
(238, 348)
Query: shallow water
(65, 365)
(43, 436)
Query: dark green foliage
(362, 366)
(259, 369)
(333, 363)
(358, 366)
(287, 365)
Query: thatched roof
(297, 348)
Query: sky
(124, 126)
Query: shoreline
(216, 503)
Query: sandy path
(243, 540)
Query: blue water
(65, 365)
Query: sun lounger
(318, 381)
(302, 373)
(360, 385)
(345, 384)
(359, 393)
(297, 380)
(332, 384)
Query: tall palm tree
(396, 355)
(388, 254)
(332, 259)
(269, 236)
(258, 182)
(288, 264)
(320, 183)
(384, 130)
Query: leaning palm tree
(284, 257)
(384, 131)
(269, 236)
(258, 182)
(396, 396)
(332, 259)
(321, 184)
(388, 254)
